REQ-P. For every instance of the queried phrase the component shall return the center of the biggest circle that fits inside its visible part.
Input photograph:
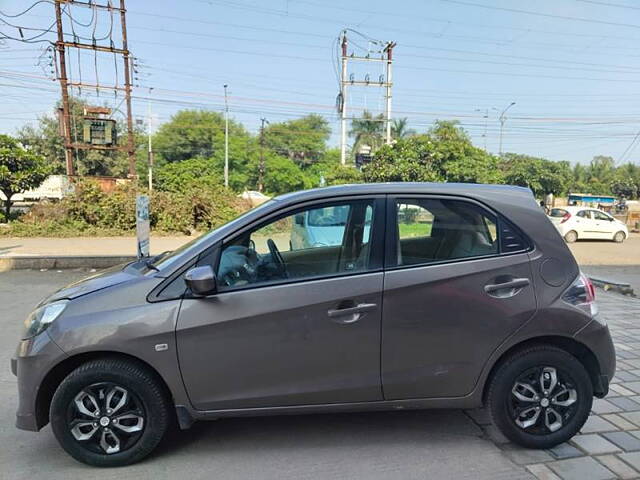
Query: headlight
(42, 317)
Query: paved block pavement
(609, 444)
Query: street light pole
(226, 138)
(503, 119)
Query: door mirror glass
(201, 280)
(299, 219)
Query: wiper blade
(149, 264)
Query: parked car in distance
(427, 296)
(584, 223)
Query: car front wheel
(540, 397)
(619, 237)
(109, 413)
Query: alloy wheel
(543, 400)
(106, 418)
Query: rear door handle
(516, 283)
(353, 313)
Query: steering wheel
(277, 258)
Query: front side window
(323, 240)
(601, 216)
(433, 230)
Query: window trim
(377, 239)
(391, 237)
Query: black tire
(619, 237)
(571, 236)
(144, 396)
(571, 374)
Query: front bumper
(33, 360)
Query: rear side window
(583, 214)
(434, 230)
(557, 212)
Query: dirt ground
(600, 252)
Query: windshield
(167, 259)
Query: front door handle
(350, 314)
(512, 286)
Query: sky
(572, 67)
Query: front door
(292, 323)
(604, 224)
(458, 284)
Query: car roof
(574, 209)
(473, 190)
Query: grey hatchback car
(419, 296)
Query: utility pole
(343, 102)
(150, 147)
(226, 138)
(385, 81)
(66, 114)
(261, 166)
(389, 51)
(486, 122)
(61, 46)
(503, 119)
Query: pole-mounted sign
(142, 225)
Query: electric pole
(385, 81)
(61, 46)
(389, 51)
(503, 119)
(261, 165)
(486, 122)
(226, 138)
(150, 148)
(66, 116)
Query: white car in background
(582, 223)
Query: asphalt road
(395, 445)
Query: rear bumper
(597, 338)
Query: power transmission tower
(61, 46)
(261, 165)
(346, 81)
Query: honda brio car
(423, 296)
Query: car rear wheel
(540, 397)
(571, 236)
(619, 237)
(109, 413)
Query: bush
(89, 211)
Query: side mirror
(299, 219)
(201, 280)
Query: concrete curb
(61, 262)
(613, 286)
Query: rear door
(458, 283)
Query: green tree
(199, 133)
(20, 170)
(445, 153)
(281, 175)
(367, 130)
(302, 140)
(179, 177)
(400, 128)
(542, 176)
